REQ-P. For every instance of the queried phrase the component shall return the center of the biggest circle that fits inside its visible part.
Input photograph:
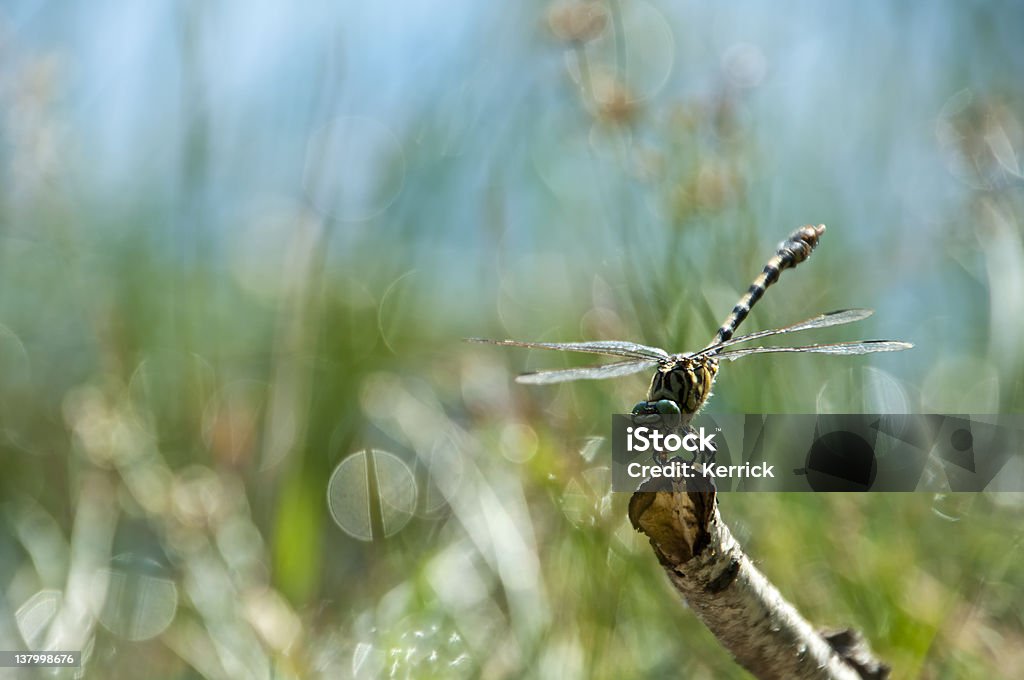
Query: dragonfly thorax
(685, 380)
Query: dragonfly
(682, 382)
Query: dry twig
(748, 615)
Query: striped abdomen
(685, 381)
(791, 252)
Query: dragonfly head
(684, 380)
(662, 413)
(662, 407)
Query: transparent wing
(860, 347)
(837, 318)
(615, 348)
(615, 370)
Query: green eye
(662, 407)
(667, 407)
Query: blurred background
(240, 244)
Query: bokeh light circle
(36, 615)
(863, 390)
(367, 480)
(355, 168)
(961, 385)
(642, 53)
(140, 599)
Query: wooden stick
(748, 615)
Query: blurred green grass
(180, 378)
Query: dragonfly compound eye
(650, 413)
(661, 413)
(643, 408)
(666, 407)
